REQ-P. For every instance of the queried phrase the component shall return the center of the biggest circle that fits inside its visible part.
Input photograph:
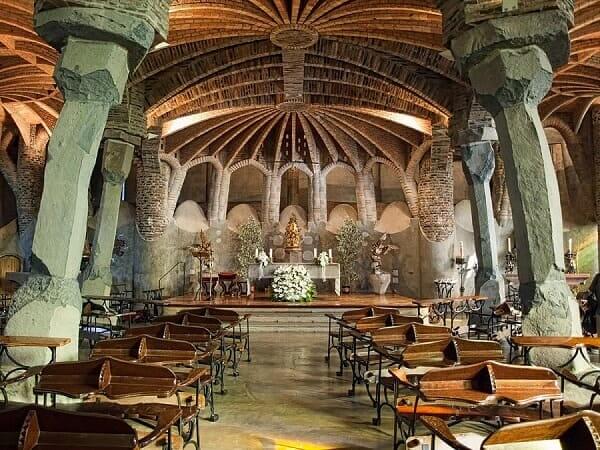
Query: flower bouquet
(263, 261)
(323, 260)
(292, 284)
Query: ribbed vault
(27, 90)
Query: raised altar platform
(281, 317)
(322, 301)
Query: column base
(551, 311)
(97, 283)
(46, 307)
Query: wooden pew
(486, 384)
(147, 350)
(370, 324)
(411, 333)
(110, 377)
(575, 432)
(34, 427)
(115, 380)
(450, 352)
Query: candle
(256, 253)
(315, 252)
(271, 254)
(461, 250)
(509, 245)
(570, 245)
(330, 255)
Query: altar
(315, 271)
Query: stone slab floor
(287, 398)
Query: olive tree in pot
(249, 241)
(349, 246)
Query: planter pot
(379, 283)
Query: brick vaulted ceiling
(288, 80)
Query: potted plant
(349, 245)
(250, 241)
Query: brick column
(436, 189)
(275, 199)
(224, 195)
(213, 201)
(596, 140)
(152, 189)
(266, 198)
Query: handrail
(171, 270)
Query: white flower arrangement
(323, 259)
(263, 259)
(292, 284)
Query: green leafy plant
(250, 239)
(349, 245)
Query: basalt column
(99, 46)
(510, 61)
(116, 163)
(476, 142)
(124, 130)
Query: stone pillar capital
(116, 161)
(479, 161)
(92, 71)
(507, 77)
(476, 134)
(132, 24)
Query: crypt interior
(300, 224)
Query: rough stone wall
(436, 198)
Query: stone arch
(412, 193)
(202, 160)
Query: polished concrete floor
(288, 398)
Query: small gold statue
(293, 238)
(202, 249)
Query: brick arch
(411, 201)
(248, 162)
(294, 165)
(336, 165)
(574, 146)
(204, 159)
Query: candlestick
(271, 254)
(330, 255)
(315, 252)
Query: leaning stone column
(99, 46)
(478, 163)
(116, 163)
(268, 178)
(596, 138)
(510, 61)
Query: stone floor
(287, 398)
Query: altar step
(294, 319)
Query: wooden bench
(206, 345)
(116, 380)
(451, 352)
(21, 372)
(147, 350)
(574, 432)
(576, 343)
(34, 427)
(485, 384)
